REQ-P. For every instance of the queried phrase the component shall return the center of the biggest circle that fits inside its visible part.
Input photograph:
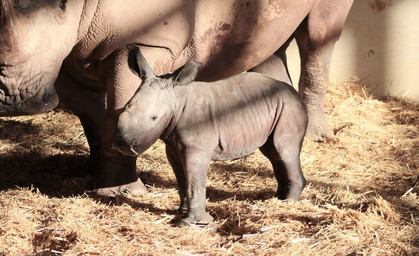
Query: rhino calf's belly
(239, 139)
(222, 154)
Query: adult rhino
(75, 51)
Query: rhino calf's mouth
(120, 144)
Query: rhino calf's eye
(154, 118)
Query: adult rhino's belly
(237, 35)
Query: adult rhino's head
(150, 110)
(35, 37)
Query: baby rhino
(200, 122)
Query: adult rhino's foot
(118, 176)
(133, 188)
(193, 220)
(318, 129)
(87, 168)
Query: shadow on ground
(57, 175)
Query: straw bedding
(361, 196)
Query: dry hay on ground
(361, 197)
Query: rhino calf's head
(149, 112)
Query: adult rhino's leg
(276, 65)
(316, 37)
(117, 173)
(88, 104)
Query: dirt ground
(361, 196)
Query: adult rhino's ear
(187, 73)
(138, 64)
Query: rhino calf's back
(233, 117)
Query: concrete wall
(380, 43)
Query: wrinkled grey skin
(75, 51)
(221, 120)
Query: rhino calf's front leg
(176, 164)
(195, 170)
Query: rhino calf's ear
(137, 63)
(187, 73)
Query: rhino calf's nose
(120, 144)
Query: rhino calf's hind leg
(283, 149)
(287, 171)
